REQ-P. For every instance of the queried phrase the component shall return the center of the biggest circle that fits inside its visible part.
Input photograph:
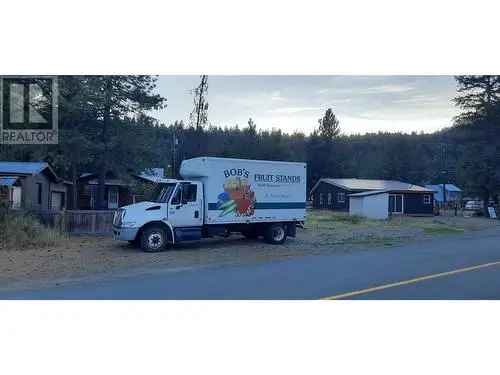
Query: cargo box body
(249, 191)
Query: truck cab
(174, 213)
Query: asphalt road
(455, 267)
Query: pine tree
(478, 96)
(112, 99)
(329, 127)
(478, 134)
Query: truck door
(186, 204)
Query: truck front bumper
(124, 234)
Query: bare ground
(324, 233)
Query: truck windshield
(163, 192)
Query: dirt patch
(324, 233)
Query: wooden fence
(79, 221)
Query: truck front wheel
(154, 239)
(275, 234)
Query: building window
(39, 187)
(320, 199)
(113, 197)
(341, 197)
(427, 199)
(329, 199)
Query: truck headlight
(118, 217)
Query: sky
(363, 104)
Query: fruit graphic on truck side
(237, 198)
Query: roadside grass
(23, 231)
(443, 230)
(323, 218)
(429, 225)
(341, 228)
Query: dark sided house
(32, 186)
(117, 192)
(403, 198)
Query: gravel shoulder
(80, 257)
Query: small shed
(370, 204)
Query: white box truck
(218, 196)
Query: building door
(396, 203)
(16, 196)
(113, 197)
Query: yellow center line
(411, 281)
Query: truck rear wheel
(275, 234)
(154, 239)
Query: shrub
(20, 231)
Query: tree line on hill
(105, 124)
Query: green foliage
(477, 134)
(143, 143)
(478, 96)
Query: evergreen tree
(478, 96)
(477, 133)
(113, 99)
(329, 125)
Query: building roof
(25, 168)
(8, 180)
(370, 192)
(449, 187)
(151, 174)
(359, 184)
(19, 167)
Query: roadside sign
(491, 211)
